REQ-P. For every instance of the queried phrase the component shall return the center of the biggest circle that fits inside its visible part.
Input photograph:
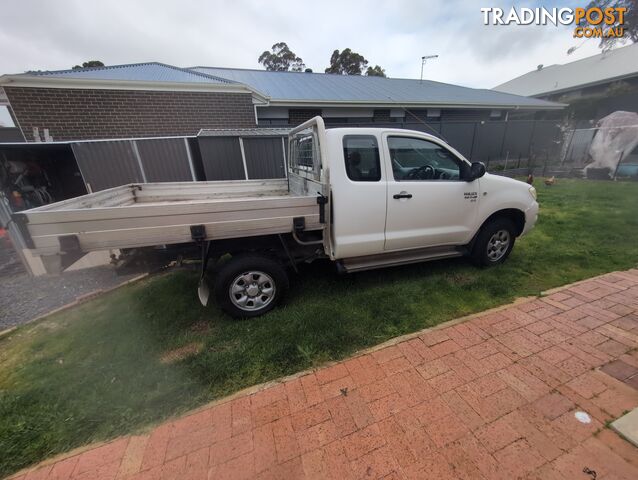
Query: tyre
(250, 285)
(494, 242)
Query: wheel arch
(514, 214)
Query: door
(428, 202)
(359, 196)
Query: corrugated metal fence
(256, 153)
(260, 153)
(106, 164)
(12, 134)
(233, 156)
(493, 142)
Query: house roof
(142, 72)
(294, 88)
(602, 68)
(280, 88)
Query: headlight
(532, 192)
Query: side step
(403, 257)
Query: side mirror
(477, 170)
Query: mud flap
(203, 289)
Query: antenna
(424, 59)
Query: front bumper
(531, 215)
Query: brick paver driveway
(491, 397)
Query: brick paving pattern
(493, 397)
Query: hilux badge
(471, 196)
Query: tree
(346, 62)
(281, 59)
(375, 71)
(630, 23)
(89, 64)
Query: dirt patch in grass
(460, 278)
(181, 353)
(200, 328)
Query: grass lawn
(100, 370)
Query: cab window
(415, 159)
(361, 154)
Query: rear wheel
(494, 242)
(250, 285)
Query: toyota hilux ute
(363, 198)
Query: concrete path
(492, 397)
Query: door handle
(402, 195)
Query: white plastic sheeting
(616, 137)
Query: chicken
(550, 181)
(530, 179)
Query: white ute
(362, 197)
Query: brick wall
(382, 115)
(80, 114)
(297, 116)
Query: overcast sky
(48, 35)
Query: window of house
(361, 154)
(274, 121)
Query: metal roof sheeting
(284, 87)
(617, 63)
(306, 89)
(143, 72)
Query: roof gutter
(349, 103)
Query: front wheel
(494, 242)
(250, 285)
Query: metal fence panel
(518, 139)
(165, 160)
(489, 141)
(460, 135)
(432, 128)
(264, 157)
(11, 134)
(578, 146)
(222, 158)
(107, 164)
(486, 140)
(545, 137)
